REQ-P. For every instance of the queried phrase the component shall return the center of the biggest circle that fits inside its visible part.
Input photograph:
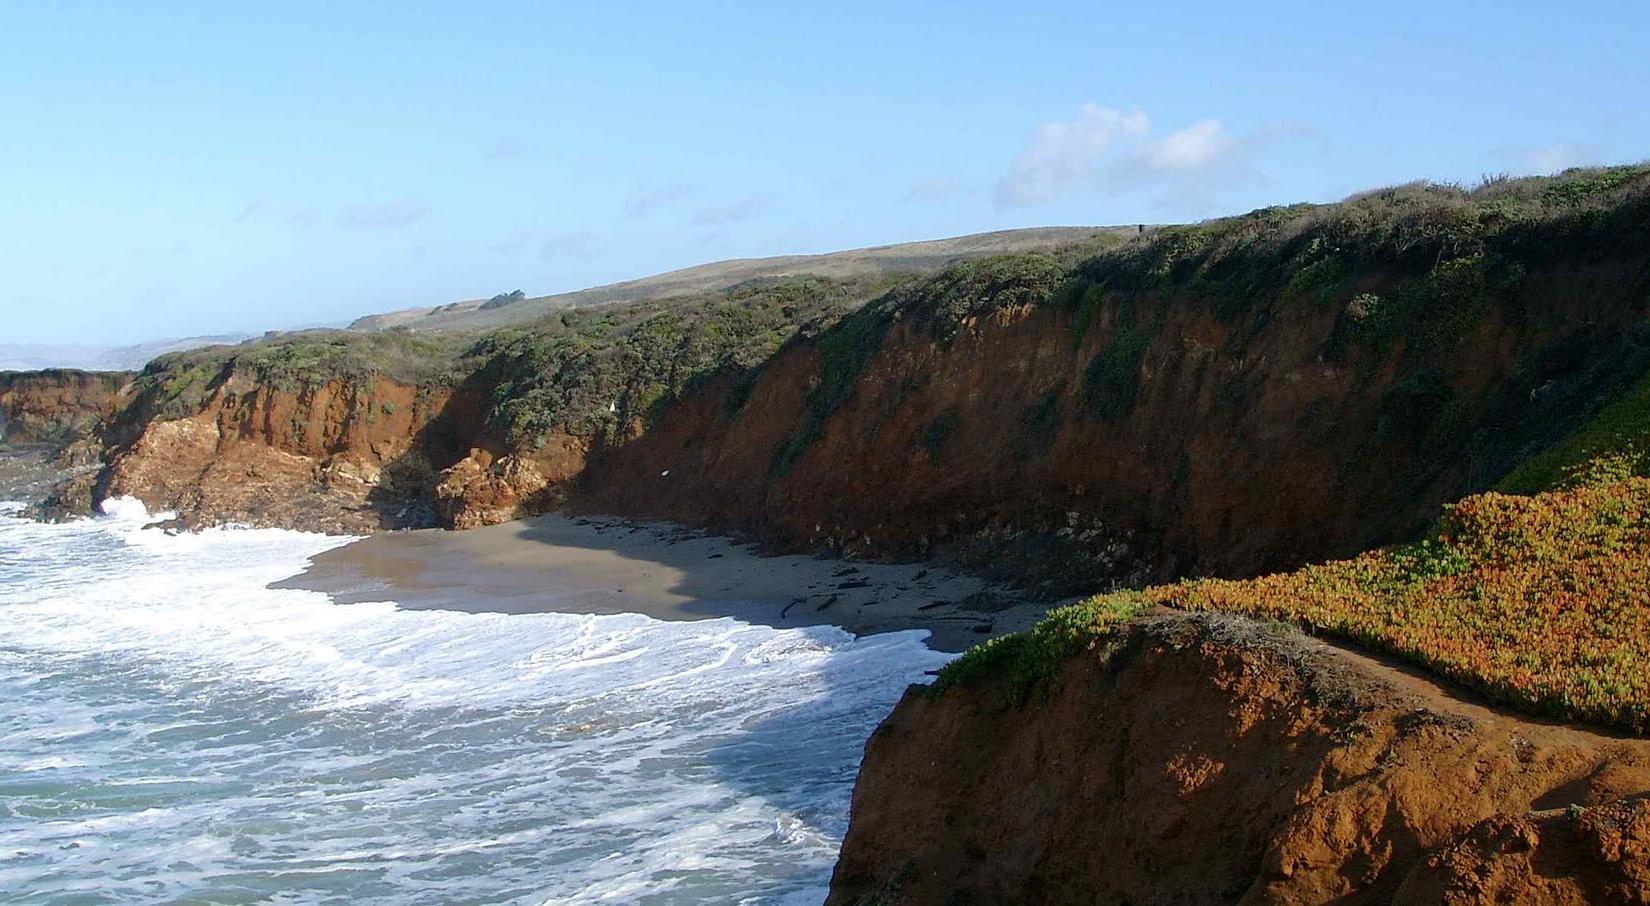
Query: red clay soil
(1213, 760)
(344, 456)
(1248, 448)
(58, 405)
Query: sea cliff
(1217, 408)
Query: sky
(172, 169)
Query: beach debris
(933, 604)
(787, 609)
(828, 602)
(665, 473)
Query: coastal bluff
(1256, 421)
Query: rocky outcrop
(345, 455)
(51, 436)
(60, 406)
(1215, 760)
(486, 488)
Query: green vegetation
(1538, 601)
(1026, 661)
(1443, 254)
(503, 299)
(1614, 445)
(1113, 376)
(585, 371)
(177, 384)
(843, 353)
(973, 289)
(1034, 430)
(1542, 602)
(590, 370)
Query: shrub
(1035, 429)
(592, 371)
(1113, 376)
(1026, 661)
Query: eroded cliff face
(57, 407)
(1226, 398)
(488, 487)
(346, 455)
(1214, 760)
(1027, 442)
(1068, 447)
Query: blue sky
(182, 168)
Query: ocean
(176, 731)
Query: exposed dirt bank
(1244, 446)
(347, 455)
(59, 405)
(1216, 760)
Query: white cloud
(1195, 147)
(1106, 150)
(1065, 155)
(1558, 157)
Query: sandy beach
(607, 565)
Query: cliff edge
(1214, 759)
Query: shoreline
(609, 565)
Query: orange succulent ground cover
(1540, 601)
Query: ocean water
(174, 731)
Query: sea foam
(177, 729)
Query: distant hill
(915, 257)
(35, 356)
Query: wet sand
(606, 565)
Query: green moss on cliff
(591, 371)
(1025, 661)
(585, 371)
(1614, 444)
